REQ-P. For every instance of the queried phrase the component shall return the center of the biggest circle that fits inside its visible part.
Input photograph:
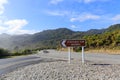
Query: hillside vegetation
(97, 39)
(108, 40)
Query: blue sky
(31, 16)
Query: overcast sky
(30, 16)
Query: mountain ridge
(49, 38)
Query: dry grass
(103, 51)
(66, 49)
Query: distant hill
(51, 38)
(95, 31)
(113, 28)
(53, 34)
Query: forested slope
(95, 38)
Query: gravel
(62, 70)
(58, 68)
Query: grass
(101, 51)
(11, 56)
(7, 57)
(6, 54)
(104, 51)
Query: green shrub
(16, 54)
(4, 53)
(23, 52)
(27, 51)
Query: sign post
(72, 43)
(83, 60)
(69, 55)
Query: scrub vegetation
(96, 39)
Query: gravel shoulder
(62, 70)
(94, 57)
(56, 67)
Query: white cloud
(91, 1)
(2, 29)
(2, 3)
(12, 26)
(15, 27)
(84, 17)
(73, 26)
(74, 16)
(57, 13)
(116, 18)
(55, 1)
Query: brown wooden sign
(72, 43)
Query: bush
(27, 51)
(16, 54)
(24, 52)
(4, 53)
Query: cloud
(55, 1)
(90, 1)
(84, 17)
(15, 27)
(116, 18)
(73, 26)
(2, 3)
(2, 29)
(12, 26)
(57, 13)
(74, 16)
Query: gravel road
(56, 67)
(10, 64)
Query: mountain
(96, 31)
(52, 38)
(47, 38)
(4, 35)
(53, 34)
(113, 27)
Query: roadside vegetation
(5, 53)
(104, 40)
(108, 40)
